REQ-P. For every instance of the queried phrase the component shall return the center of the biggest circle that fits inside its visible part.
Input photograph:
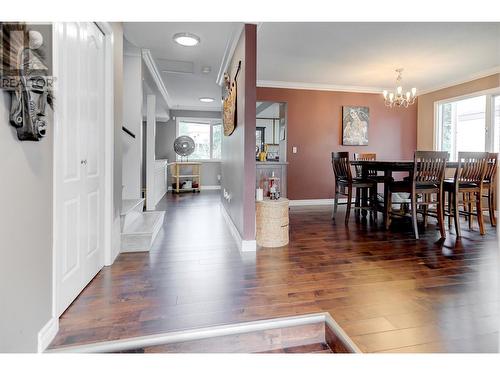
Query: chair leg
(357, 202)
(456, 214)
(479, 209)
(349, 202)
(491, 207)
(414, 213)
(388, 210)
(425, 208)
(373, 201)
(335, 204)
(440, 216)
(450, 206)
(469, 208)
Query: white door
(79, 158)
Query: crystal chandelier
(397, 98)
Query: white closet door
(79, 133)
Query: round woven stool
(272, 222)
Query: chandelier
(397, 98)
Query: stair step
(139, 233)
(129, 205)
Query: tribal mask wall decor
(25, 76)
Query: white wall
(25, 236)
(132, 120)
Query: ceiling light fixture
(186, 39)
(397, 98)
(206, 100)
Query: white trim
(468, 78)
(231, 44)
(314, 202)
(200, 108)
(319, 87)
(148, 59)
(47, 334)
(206, 187)
(243, 245)
(213, 332)
(110, 254)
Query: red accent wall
(315, 128)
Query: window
(466, 125)
(207, 136)
(496, 129)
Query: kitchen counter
(271, 162)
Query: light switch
(294, 149)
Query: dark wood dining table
(388, 167)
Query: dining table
(388, 167)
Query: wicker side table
(272, 222)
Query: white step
(131, 209)
(139, 233)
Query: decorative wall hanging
(25, 76)
(355, 122)
(229, 118)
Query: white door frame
(109, 257)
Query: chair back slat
(430, 167)
(491, 167)
(472, 167)
(341, 166)
(368, 156)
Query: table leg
(387, 181)
(364, 195)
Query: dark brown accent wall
(315, 128)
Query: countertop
(271, 162)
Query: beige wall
(425, 114)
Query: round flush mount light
(186, 39)
(206, 100)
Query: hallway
(386, 290)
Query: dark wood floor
(388, 291)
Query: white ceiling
(365, 55)
(342, 56)
(185, 89)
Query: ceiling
(334, 56)
(365, 55)
(181, 66)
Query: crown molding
(469, 78)
(318, 87)
(155, 73)
(229, 51)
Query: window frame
(489, 116)
(200, 120)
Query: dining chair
(345, 183)
(468, 183)
(424, 181)
(489, 186)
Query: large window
(468, 124)
(207, 136)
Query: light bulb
(414, 91)
(391, 96)
(408, 95)
(400, 89)
(385, 94)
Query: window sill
(203, 160)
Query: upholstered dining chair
(345, 183)
(468, 183)
(424, 181)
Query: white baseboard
(243, 245)
(315, 202)
(203, 187)
(47, 334)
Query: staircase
(139, 229)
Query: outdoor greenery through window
(470, 124)
(207, 136)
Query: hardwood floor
(388, 291)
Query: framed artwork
(355, 122)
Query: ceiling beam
(155, 73)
